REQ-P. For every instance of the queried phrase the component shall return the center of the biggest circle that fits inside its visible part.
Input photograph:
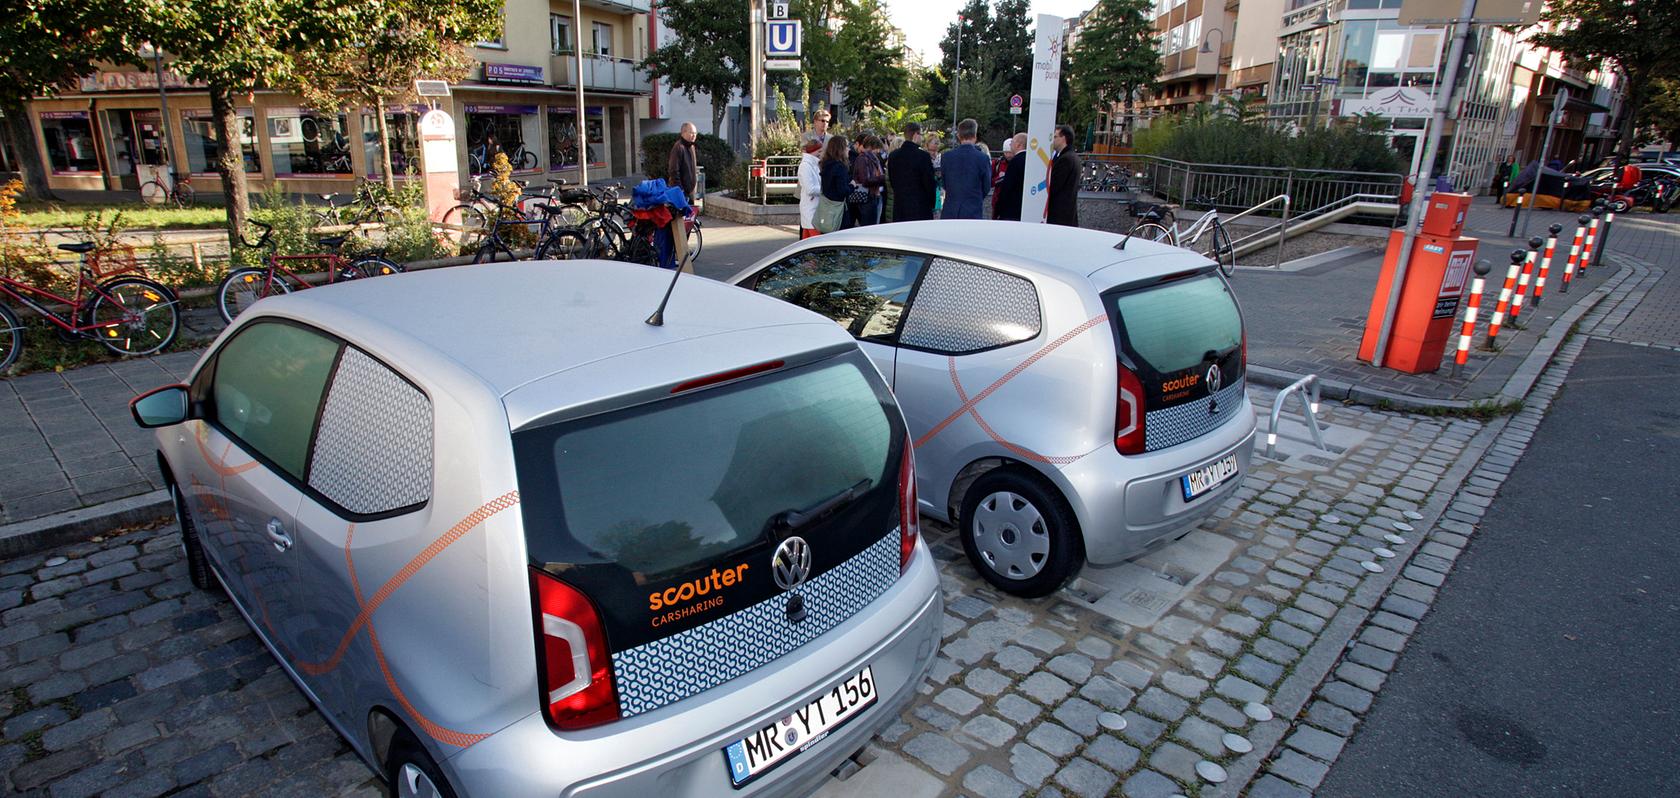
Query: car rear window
(674, 485)
(1172, 326)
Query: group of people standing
(924, 185)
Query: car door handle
(277, 535)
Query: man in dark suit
(910, 172)
(968, 175)
(1014, 176)
(1062, 206)
(681, 165)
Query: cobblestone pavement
(118, 676)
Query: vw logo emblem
(1214, 379)
(791, 563)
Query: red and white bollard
(1546, 263)
(1522, 282)
(1504, 304)
(1575, 251)
(1471, 309)
(1604, 236)
(1592, 237)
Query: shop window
(136, 139)
(70, 143)
(560, 33)
(501, 128)
(303, 142)
(403, 126)
(203, 145)
(562, 137)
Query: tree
(878, 75)
(1631, 36)
(403, 40)
(1011, 45)
(50, 44)
(1661, 113)
(1115, 55)
(709, 54)
(823, 62)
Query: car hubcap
(1011, 535)
(412, 782)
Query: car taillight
(909, 513)
(572, 659)
(1129, 411)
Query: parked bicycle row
(558, 221)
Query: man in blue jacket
(968, 176)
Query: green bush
(713, 154)
(1218, 136)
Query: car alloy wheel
(412, 782)
(1010, 535)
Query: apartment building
(111, 133)
(1196, 42)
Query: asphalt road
(1550, 665)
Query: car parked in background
(511, 539)
(1073, 396)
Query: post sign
(782, 65)
(512, 73)
(438, 162)
(782, 38)
(779, 9)
(1015, 101)
(1045, 79)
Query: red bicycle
(128, 313)
(245, 287)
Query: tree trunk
(720, 105)
(1635, 99)
(230, 161)
(28, 152)
(384, 146)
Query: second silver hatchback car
(1072, 396)
(512, 540)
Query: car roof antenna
(658, 317)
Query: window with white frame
(603, 38)
(560, 33)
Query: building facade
(111, 133)
(1196, 41)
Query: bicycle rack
(1309, 412)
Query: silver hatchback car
(512, 540)
(1073, 396)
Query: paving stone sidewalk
(115, 676)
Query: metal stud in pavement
(1383, 553)
(1236, 743)
(1210, 771)
(1413, 515)
(1371, 566)
(1257, 711)
(1332, 519)
(1402, 526)
(1113, 721)
(55, 561)
(1395, 539)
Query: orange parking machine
(1436, 276)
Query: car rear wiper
(789, 520)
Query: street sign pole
(1559, 100)
(582, 140)
(755, 59)
(1414, 211)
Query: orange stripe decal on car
(1023, 451)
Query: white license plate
(765, 749)
(1207, 477)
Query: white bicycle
(1157, 223)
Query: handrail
(1104, 157)
(1309, 411)
(1283, 230)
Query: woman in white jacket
(810, 185)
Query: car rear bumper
(1125, 503)
(677, 750)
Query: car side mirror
(160, 407)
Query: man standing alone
(968, 176)
(1062, 206)
(681, 167)
(910, 173)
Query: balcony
(601, 73)
(619, 6)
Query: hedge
(714, 154)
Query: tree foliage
(1115, 54)
(1633, 36)
(1662, 111)
(877, 75)
(708, 55)
(49, 44)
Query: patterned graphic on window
(373, 453)
(963, 308)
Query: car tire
(411, 773)
(1020, 534)
(198, 567)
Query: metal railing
(1238, 187)
(776, 175)
(1282, 226)
(604, 72)
(1309, 412)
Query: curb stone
(1515, 388)
(1313, 676)
(50, 531)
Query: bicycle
(369, 206)
(1156, 222)
(246, 286)
(154, 192)
(128, 313)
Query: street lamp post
(956, 77)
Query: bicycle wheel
(1150, 231)
(1221, 251)
(527, 160)
(244, 287)
(640, 249)
(567, 243)
(376, 266)
(11, 338)
(468, 225)
(185, 195)
(153, 193)
(143, 316)
(694, 239)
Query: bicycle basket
(114, 260)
